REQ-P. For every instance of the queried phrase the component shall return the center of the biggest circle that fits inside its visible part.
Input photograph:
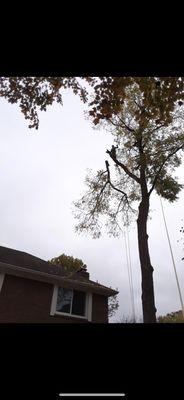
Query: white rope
(129, 269)
(173, 261)
(131, 279)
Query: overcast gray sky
(42, 172)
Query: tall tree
(147, 148)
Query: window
(71, 302)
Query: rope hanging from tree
(125, 234)
(172, 257)
(129, 269)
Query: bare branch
(126, 126)
(98, 197)
(157, 127)
(113, 156)
(117, 211)
(115, 124)
(139, 106)
(123, 124)
(110, 183)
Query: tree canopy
(69, 263)
(140, 146)
(37, 93)
(173, 317)
(159, 95)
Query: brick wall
(28, 301)
(100, 308)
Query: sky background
(43, 171)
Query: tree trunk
(148, 301)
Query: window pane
(64, 300)
(79, 300)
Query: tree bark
(148, 301)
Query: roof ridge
(21, 252)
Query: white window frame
(1, 280)
(88, 306)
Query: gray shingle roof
(30, 262)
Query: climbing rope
(129, 267)
(172, 256)
(131, 279)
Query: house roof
(26, 265)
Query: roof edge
(53, 279)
